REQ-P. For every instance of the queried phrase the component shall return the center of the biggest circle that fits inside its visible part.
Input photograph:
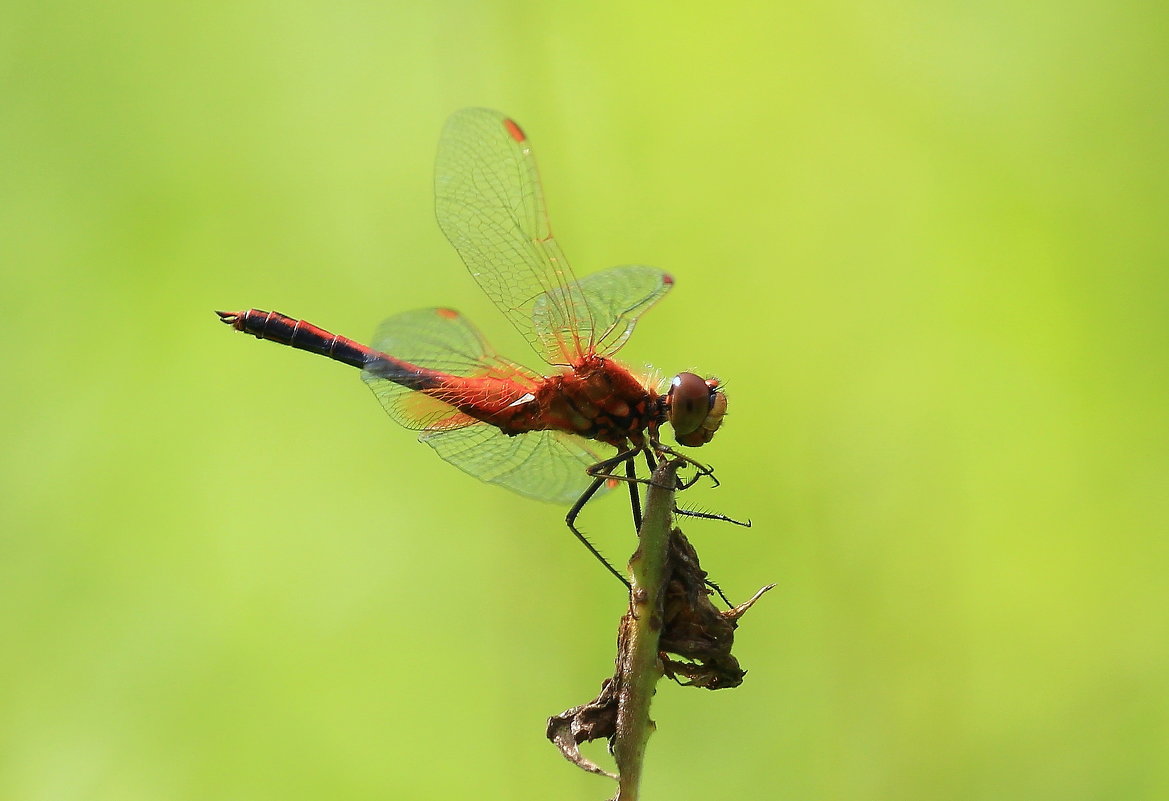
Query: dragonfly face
(695, 407)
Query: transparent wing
(442, 340)
(545, 465)
(490, 205)
(616, 298)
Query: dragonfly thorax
(598, 399)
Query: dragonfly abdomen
(277, 327)
(300, 334)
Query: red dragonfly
(497, 420)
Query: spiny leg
(603, 469)
(649, 460)
(634, 493)
(600, 474)
(570, 519)
(711, 516)
(720, 592)
(661, 450)
(700, 468)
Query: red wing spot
(446, 314)
(515, 130)
(667, 279)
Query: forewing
(442, 340)
(545, 465)
(490, 205)
(616, 297)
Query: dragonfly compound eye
(696, 409)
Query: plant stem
(641, 668)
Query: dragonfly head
(695, 407)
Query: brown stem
(641, 668)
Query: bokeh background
(923, 242)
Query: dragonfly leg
(662, 450)
(720, 592)
(603, 469)
(649, 461)
(699, 468)
(634, 493)
(601, 474)
(711, 516)
(570, 519)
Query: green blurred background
(924, 243)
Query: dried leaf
(692, 629)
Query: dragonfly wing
(545, 465)
(617, 298)
(490, 205)
(443, 340)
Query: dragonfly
(542, 435)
